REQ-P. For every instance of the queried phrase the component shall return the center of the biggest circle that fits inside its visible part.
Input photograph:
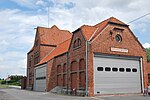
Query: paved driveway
(18, 94)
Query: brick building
(46, 40)
(148, 72)
(105, 58)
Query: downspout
(67, 72)
(34, 84)
(86, 55)
(142, 75)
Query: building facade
(105, 58)
(46, 40)
(148, 72)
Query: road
(18, 94)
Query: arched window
(74, 66)
(58, 69)
(74, 44)
(64, 68)
(77, 43)
(82, 64)
(82, 77)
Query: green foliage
(148, 54)
(14, 80)
(2, 82)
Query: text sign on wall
(119, 49)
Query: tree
(148, 54)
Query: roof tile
(53, 35)
(88, 31)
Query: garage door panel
(117, 85)
(111, 82)
(116, 80)
(109, 75)
(40, 79)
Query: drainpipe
(67, 73)
(142, 75)
(86, 55)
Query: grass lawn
(3, 86)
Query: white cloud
(17, 36)
(17, 26)
(25, 3)
(146, 45)
(40, 3)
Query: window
(121, 69)
(82, 64)
(99, 68)
(107, 69)
(74, 44)
(77, 43)
(118, 38)
(40, 78)
(115, 69)
(64, 68)
(59, 69)
(36, 57)
(134, 70)
(128, 70)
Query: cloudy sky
(18, 18)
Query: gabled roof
(87, 31)
(90, 32)
(60, 49)
(53, 35)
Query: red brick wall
(105, 41)
(44, 50)
(52, 71)
(50, 75)
(75, 55)
(148, 67)
(30, 69)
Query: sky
(18, 18)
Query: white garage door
(113, 75)
(40, 78)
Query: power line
(139, 18)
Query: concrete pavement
(18, 94)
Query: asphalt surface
(18, 94)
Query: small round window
(118, 38)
